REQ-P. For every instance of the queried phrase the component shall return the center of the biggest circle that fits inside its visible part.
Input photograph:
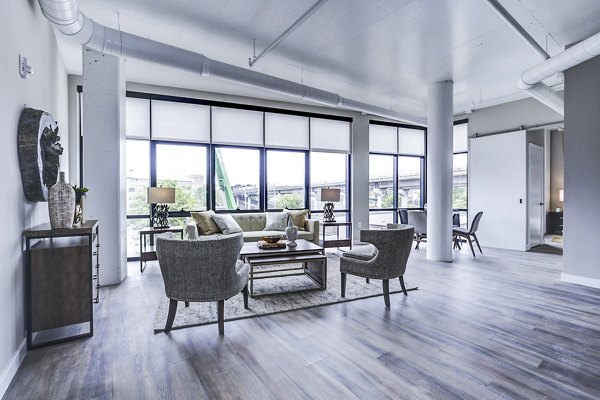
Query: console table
(148, 251)
(59, 279)
(554, 222)
(338, 242)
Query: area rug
(206, 313)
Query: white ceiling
(382, 52)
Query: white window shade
(233, 126)
(329, 135)
(460, 141)
(180, 121)
(383, 139)
(286, 131)
(137, 118)
(411, 141)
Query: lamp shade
(561, 195)
(332, 195)
(161, 195)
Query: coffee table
(311, 257)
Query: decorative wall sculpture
(39, 153)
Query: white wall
(23, 30)
(498, 187)
(582, 181)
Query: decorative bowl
(271, 239)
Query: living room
(348, 120)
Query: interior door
(535, 196)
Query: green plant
(80, 190)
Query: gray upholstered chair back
(418, 219)
(393, 248)
(200, 270)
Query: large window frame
(397, 155)
(211, 153)
(462, 211)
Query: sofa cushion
(276, 221)
(226, 223)
(250, 221)
(306, 235)
(363, 252)
(298, 217)
(206, 225)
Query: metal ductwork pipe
(72, 22)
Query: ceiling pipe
(286, 33)
(72, 22)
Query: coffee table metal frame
(311, 256)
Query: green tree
(289, 200)
(184, 196)
(459, 197)
(388, 200)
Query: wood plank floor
(499, 326)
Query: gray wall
(582, 181)
(23, 30)
(511, 116)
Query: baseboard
(580, 280)
(12, 367)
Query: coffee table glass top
(252, 249)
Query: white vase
(291, 232)
(61, 204)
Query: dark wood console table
(59, 276)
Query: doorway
(535, 196)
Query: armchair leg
(477, 241)
(221, 316)
(402, 284)
(343, 284)
(187, 303)
(171, 315)
(418, 242)
(386, 292)
(368, 280)
(245, 294)
(471, 244)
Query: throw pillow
(226, 223)
(205, 223)
(298, 218)
(276, 222)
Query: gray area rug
(206, 313)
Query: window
(381, 181)
(286, 131)
(329, 135)
(137, 177)
(460, 170)
(286, 172)
(411, 141)
(137, 118)
(180, 121)
(237, 178)
(409, 181)
(328, 170)
(237, 127)
(183, 167)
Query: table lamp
(159, 197)
(329, 196)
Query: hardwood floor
(498, 326)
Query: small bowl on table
(271, 238)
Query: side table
(148, 251)
(338, 242)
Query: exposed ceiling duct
(72, 22)
(531, 79)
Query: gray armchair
(207, 269)
(384, 258)
(418, 219)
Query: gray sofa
(252, 225)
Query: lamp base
(160, 216)
(328, 213)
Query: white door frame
(530, 201)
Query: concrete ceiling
(382, 52)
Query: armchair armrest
(312, 226)
(191, 231)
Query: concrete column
(104, 158)
(360, 175)
(439, 171)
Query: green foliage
(459, 197)
(289, 200)
(185, 198)
(388, 200)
